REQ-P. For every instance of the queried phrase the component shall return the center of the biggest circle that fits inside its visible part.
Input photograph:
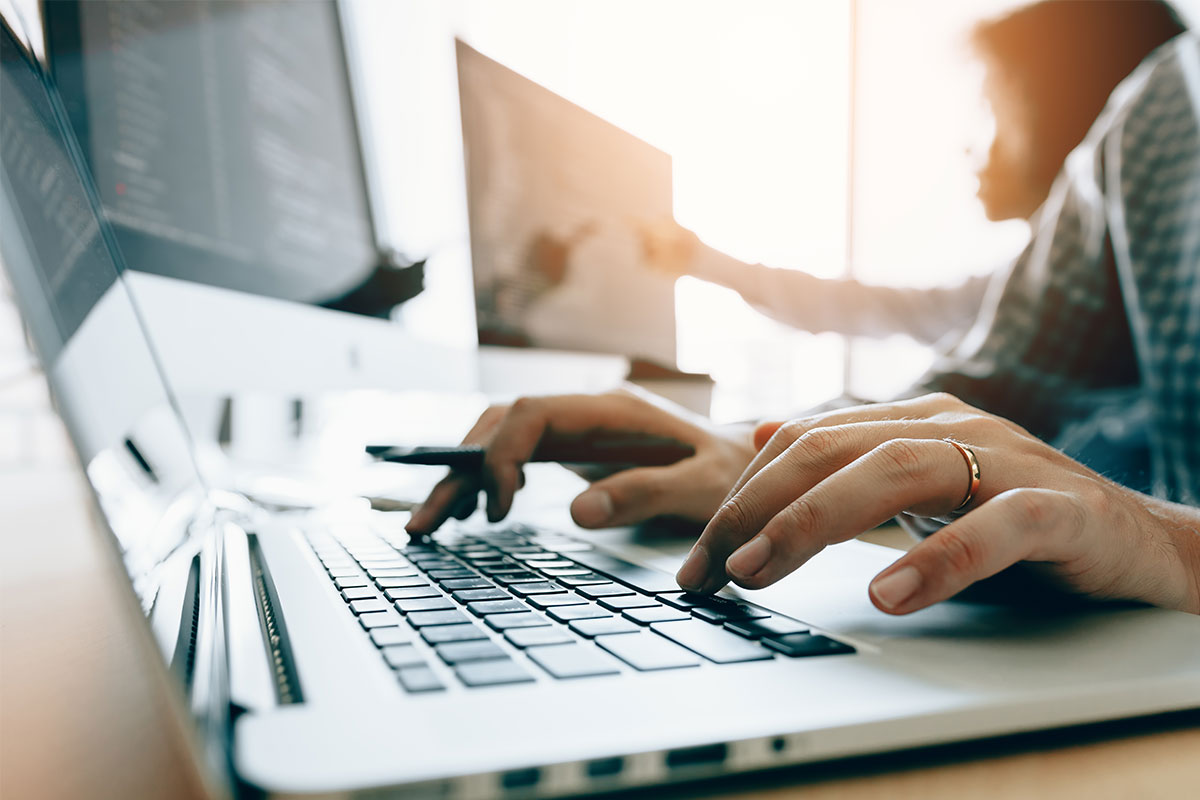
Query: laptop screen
(60, 257)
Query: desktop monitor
(224, 142)
(555, 199)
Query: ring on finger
(973, 468)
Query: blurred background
(776, 160)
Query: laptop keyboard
(497, 607)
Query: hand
(826, 478)
(667, 246)
(691, 488)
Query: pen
(647, 451)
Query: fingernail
(892, 590)
(592, 508)
(694, 572)
(750, 557)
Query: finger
(635, 495)
(924, 476)
(530, 420)
(764, 432)
(446, 497)
(900, 413)
(1018, 525)
(807, 461)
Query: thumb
(630, 496)
(764, 432)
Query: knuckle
(961, 555)
(903, 457)
(942, 400)
(734, 514)
(821, 444)
(526, 406)
(805, 515)
(1031, 509)
(791, 430)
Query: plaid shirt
(1091, 339)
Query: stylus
(648, 451)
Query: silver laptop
(323, 654)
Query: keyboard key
(604, 590)
(400, 583)
(345, 572)
(621, 571)
(486, 607)
(472, 595)
(455, 584)
(478, 557)
(647, 651)
(535, 637)
(526, 551)
(447, 574)
(586, 579)
(567, 571)
(734, 611)
(518, 578)
(424, 604)
(360, 593)
(351, 583)
(568, 613)
(795, 645)
(406, 572)
(771, 626)
(506, 569)
(379, 619)
(627, 601)
(421, 619)
(492, 673)
(419, 679)
(715, 644)
(685, 601)
(412, 593)
(384, 563)
(382, 637)
(461, 652)
(366, 606)
(402, 655)
(542, 566)
(645, 616)
(567, 545)
(592, 628)
(439, 634)
(503, 622)
(540, 555)
(549, 600)
(573, 661)
(541, 587)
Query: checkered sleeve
(1107, 294)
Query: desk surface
(80, 719)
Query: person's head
(1050, 67)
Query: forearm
(844, 306)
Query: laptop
(320, 653)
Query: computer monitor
(224, 141)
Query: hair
(1066, 57)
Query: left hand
(827, 478)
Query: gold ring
(973, 466)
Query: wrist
(1180, 537)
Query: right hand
(667, 246)
(692, 488)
